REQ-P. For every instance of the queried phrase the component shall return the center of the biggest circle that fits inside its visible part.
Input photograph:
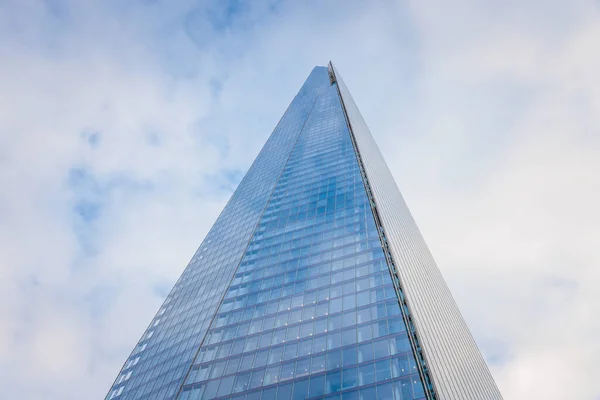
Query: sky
(126, 126)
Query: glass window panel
(395, 325)
(251, 343)
(348, 336)
(351, 395)
(333, 382)
(256, 379)
(363, 284)
(265, 339)
(335, 305)
(284, 392)
(218, 369)
(226, 386)
(379, 328)
(369, 393)
(269, 323)
(319, 344)
(335, 322)
(278, 336)
(262, 297)
(209, 353)
(349, 378)
(210, 390)
(276, 354)
(307, 328)
(293, 332)
(289, 289)
(194, 393)
(261, 358)
(224, 350)
(304, 347)
(363, 299)
(323, 294)
(322, 309)
(295, 316)
(238, 346)
(275, 294)
(303, 367)
(317, 364)
(297, 300)
(393, 308)
(334, 340)
(390, 292)
(308, 312)
(253, 395)
(334, 359)
(281, 320)
(317, 386)
(366, 374)
(246, 362)
(349, 287)
(385, 391)
(402, 343)
(349, 274)
(365, 352)
(349, 302)
(363, 270)
(290, 352)
(377, 295)
(363, 315)
(381, 348)
(269, 393)
(320, 326)
(336, 278)
(271, 375)
(382, 370)
(364, 333)
(349, 318)
(202, 373)
(287, 370)
(232, 365)
(300, 390)
(418, 389)
(229, 333)
(255, 326)
(400, 366)
(350, 356)
(378, 311)
(404, 387)
(309, 298)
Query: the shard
(313, 283)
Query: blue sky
(125, 127)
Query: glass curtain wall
(157, 366)
(311, 311)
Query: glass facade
(311, 311)
(294, 293)
(160, 361)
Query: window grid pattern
(160, 361)
(311, 311)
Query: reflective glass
(308, 305)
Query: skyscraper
(314, 282)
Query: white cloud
(487, 115)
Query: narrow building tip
(331, 72)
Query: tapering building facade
(314, 282)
